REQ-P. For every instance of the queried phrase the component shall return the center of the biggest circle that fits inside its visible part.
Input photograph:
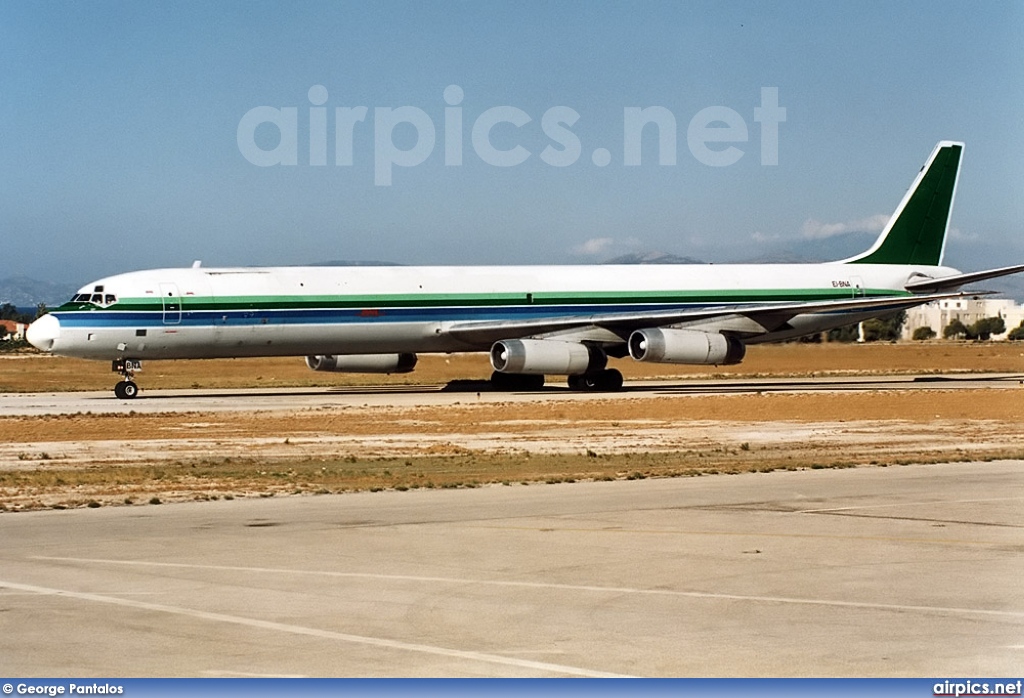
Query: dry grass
(94, 460)
(209, 479)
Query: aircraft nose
(43, 333)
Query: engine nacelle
(668, 346)
(363, 363)
(540, 356)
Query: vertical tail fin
(916, 233)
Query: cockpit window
(95, 298)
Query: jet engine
(540, 356)
(363, 363)
(669, 346)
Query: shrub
(954, 330)
(986, 327)
(983, 329)
(885, 328)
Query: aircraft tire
(611, 380)
(608, 381)
(126, 390)
(584, 382)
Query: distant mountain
(802, 252)
(350, 263)
(783, 257)
(28, 293)
(1007, 286)
(652, 258)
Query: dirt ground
(100, 460)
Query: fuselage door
(171, 300)
(858, 286)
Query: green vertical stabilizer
(916, 233)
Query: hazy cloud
(603, 247)
(816, 230)
(594, 246)
(957, 234)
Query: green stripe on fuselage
(603, 298)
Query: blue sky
(119, 128)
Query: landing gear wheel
(609, 380)
(126, 390)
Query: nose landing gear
(126, 389)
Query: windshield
(97, 297)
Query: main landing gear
(126, 389)
(606, 381)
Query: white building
(939, 314)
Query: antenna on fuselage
(196, 264)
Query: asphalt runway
(288, 399)
(899, 571)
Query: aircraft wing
(748, 319)
(930, 285)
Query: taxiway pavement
(900, 571)
(290, 399)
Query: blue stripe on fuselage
(320, 316)
(345, 316)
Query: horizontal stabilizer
(930, 285)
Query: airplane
(533, 320)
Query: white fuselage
(282, 311)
